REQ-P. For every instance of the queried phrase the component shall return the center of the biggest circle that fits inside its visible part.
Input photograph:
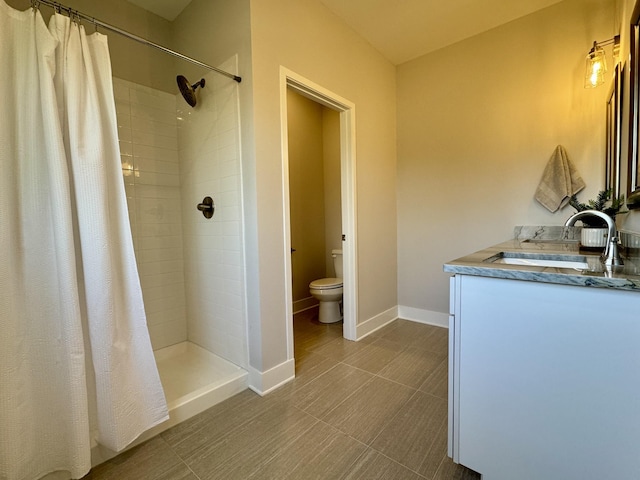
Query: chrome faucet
(610, 257)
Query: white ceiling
(405, 29)
(168, 9)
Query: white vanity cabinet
(544, 380)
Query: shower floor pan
(189, 372)
(194, 379)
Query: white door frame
(321, 95)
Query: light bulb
(595, 67)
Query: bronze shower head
(187, 90)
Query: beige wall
(306, 192)
(332, 185)
(306, 38)
(477, 122)
(211, 31)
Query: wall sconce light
(596, 60)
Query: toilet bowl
(328, 292)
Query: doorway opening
(341, 225)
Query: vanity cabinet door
(546, 380)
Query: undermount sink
(578, 262)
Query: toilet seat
(326, 283)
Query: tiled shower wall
(147, 128)
(210, 165)
(191, 268)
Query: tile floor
(374, 409)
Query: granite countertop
(556, 241)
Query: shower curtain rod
(75, 13)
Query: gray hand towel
(560, 180)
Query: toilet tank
(337, 262)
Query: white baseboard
(375, 323)
(429, 317)
(264, 382)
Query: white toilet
(328, 291)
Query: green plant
(602, 203)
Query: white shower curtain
(76, 364)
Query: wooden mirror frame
(614, 120)
(633, 180)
